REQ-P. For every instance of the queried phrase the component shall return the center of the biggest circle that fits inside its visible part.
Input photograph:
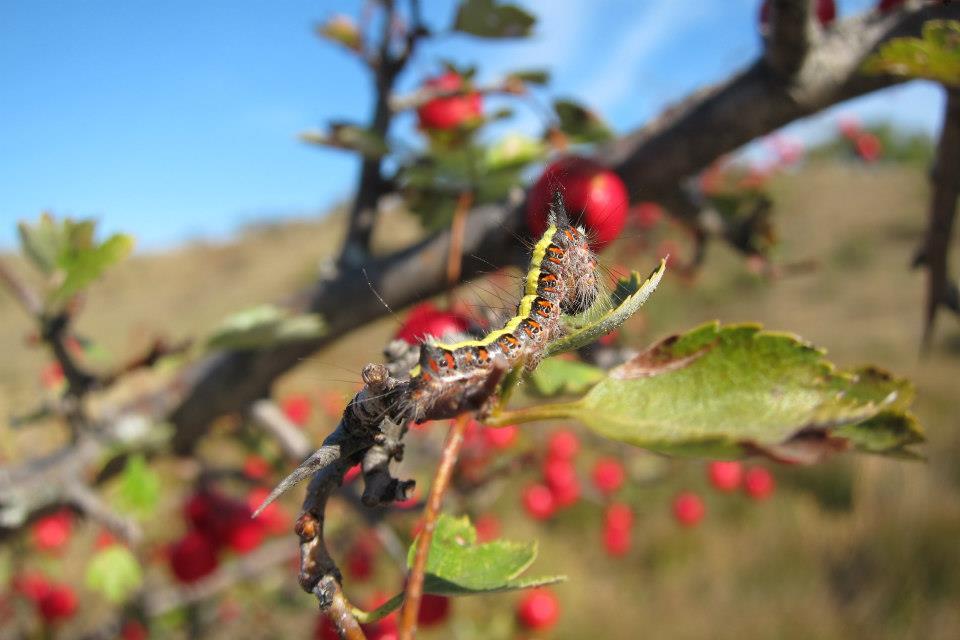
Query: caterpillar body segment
(452, 378)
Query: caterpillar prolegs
(458, 377)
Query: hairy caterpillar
(458, 377)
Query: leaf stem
(533, 414)
(414, 588)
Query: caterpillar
(452, 378)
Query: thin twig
(414, 589)
(457, 228)
(271, 419)
(340, 614)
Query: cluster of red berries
(561, 485)
(725, 476)
(452, 112)
(217, 523)
(426, 319)
(54, 601)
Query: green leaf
(723, 391)
(139, 491)
(934, 56)
(490, 19)
(263, 326)
(580, 124)
(84, 264)
(458, 566)
(65, 251)
(531, 76)
(114, 573)
(344, 135)
(608, 314)
(513, 151)
(555, 376)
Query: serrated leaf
(114, 573)
(263, 326)
(458, 566)
(723, 391)
(85, 263)
(343, 135)
(581, 124)
(531, 76)
(139, 487)
(608, 314)
(513, 151)
(490, 19)
(934, 56)
(555, 376)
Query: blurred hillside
(856, 548)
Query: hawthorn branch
(789, 32)
(945, 182)
(23, 293)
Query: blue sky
(178, 119)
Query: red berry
(427, 320)
(488, 528)
(325, 629)
(133, 630)
(360, 559)
(246, 534)
(725, 476)
(297, 409)
(616, 540)
(433, 610)
(274, 519)
(501, 437)
(538, 609)
(618, 516)
(608, 475)
(193, 557)
(595, 196)
(53, 531)
(450, 112)
(759, 483)
(105, 539)
(33, 586)
(688, 509)
(563, 444)
(888, 5)
(58, 603)
(869, 147)
(849, 126)
(561, 477)
(648, 214)
(256, 467)
(826, 11)
(352, 473)
(51, 376)
(539, 502)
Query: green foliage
(114, 573)
(458, 566)
(580, 124)
(531, 76)
(264, 326)
(341, 30)
(490, 19)
(934, 56)
(556, 376)
(608, 314)
(344, 135)
(66, 252)
(724, 391)
(139, 488)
